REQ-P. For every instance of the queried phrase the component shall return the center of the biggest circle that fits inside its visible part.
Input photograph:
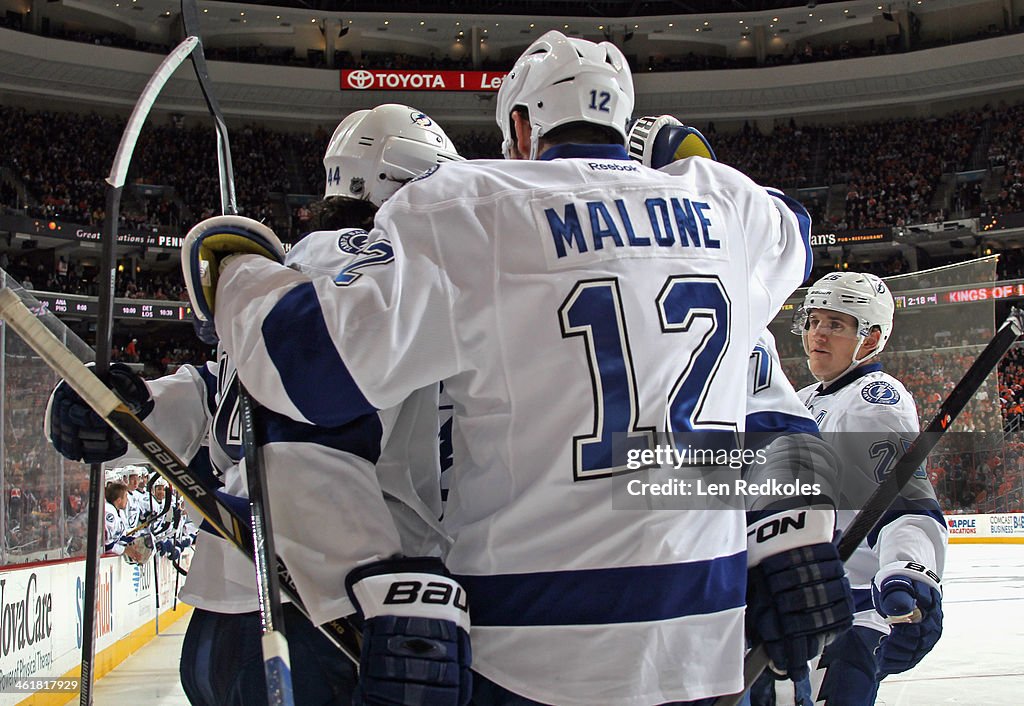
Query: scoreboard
(947, 296)
(940, 296)
(88, 307)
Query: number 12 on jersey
(593, 311)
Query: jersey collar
(855, 374)
(587, 151)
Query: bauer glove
(415, 633)
(909, 597)
(78, 433)
(657, 141)
(209, 244)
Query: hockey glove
(168, 549)
(798, 597)
(911, 602)
(657, 141)
(78, 433)
(415, 633)
(212, 241)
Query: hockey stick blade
(875, 507)
(109, 406)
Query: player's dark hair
(583, 133)
(580, 132)
(336, 212)
(114, 491)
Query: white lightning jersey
(560, 302)
(114, 527)
(136, 509)
(870, 419)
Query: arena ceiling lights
(510, 24)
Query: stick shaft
(275, 647)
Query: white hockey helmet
(561, 80)
(863, 296)
(112, 475)
(374, 152)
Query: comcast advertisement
(384, 80)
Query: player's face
(830, 338)
(122, 502)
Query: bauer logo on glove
(210, 243)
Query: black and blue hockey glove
(416, 646)
(78, 433)
(912, 604)
(798, 596)
(169, 549)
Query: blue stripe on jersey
(360, 437)
(862, 600)
(804, 219)
(762, 422)
(905, 506)
(316, 379)
(630, 594)
(210, 381)
(236, 503)
(201, 467)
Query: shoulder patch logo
(352, 241)
(880, 392)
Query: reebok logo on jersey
(880, 392)
(612, 167)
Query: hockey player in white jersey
(870, 418)
(115, 537)
(561, 301)
(372, 153)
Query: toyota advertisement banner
(383, 80)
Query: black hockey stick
(104, 336)
(276, 662)
(227, 522)
(757, 659)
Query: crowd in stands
(44, 497)
(890, 170)
(1006, 152)
(73, 276)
